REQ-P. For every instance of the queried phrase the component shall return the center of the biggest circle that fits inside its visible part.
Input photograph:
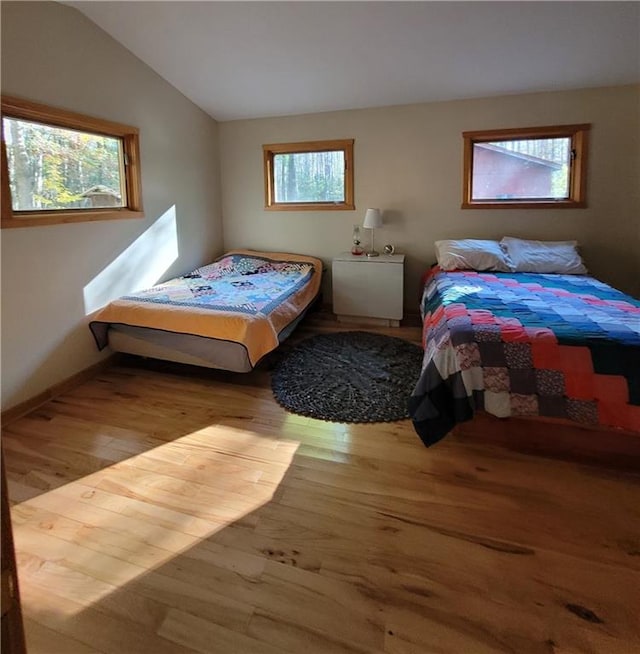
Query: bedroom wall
(51, 276)
(408, 162)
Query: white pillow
(472, 254)
(544, 256)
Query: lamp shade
(372, 219)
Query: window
(535, 167)
(311, 176)
(60, 167)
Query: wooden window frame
(269, 151)
(27, 110)
(577, 173)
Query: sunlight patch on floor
(90, 537)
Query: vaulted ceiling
(255, 59)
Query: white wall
(408, 161)
(50, 275)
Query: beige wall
(408, 162)
(51, 275)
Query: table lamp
(372, 220)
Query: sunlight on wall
(141, 265)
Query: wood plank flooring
(162, 510)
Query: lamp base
(373, 253)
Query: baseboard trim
(54, 391)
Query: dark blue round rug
(348, 377)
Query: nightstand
(368, 289)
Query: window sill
(308, 206)
(35, 218)
(542, 204)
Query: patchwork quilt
(521, 344)
(245, 297)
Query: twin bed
(227, 315)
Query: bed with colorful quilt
(519, 344)
(227, 315)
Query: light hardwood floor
(157, 512)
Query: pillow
(472, 254)
(544, 256)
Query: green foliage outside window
(309, 177)
(55, 168)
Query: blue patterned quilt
(520, 344)
(236, 282)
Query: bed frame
(190, 349)
(554, 438)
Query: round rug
(348, 377)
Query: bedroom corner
(51, 274)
